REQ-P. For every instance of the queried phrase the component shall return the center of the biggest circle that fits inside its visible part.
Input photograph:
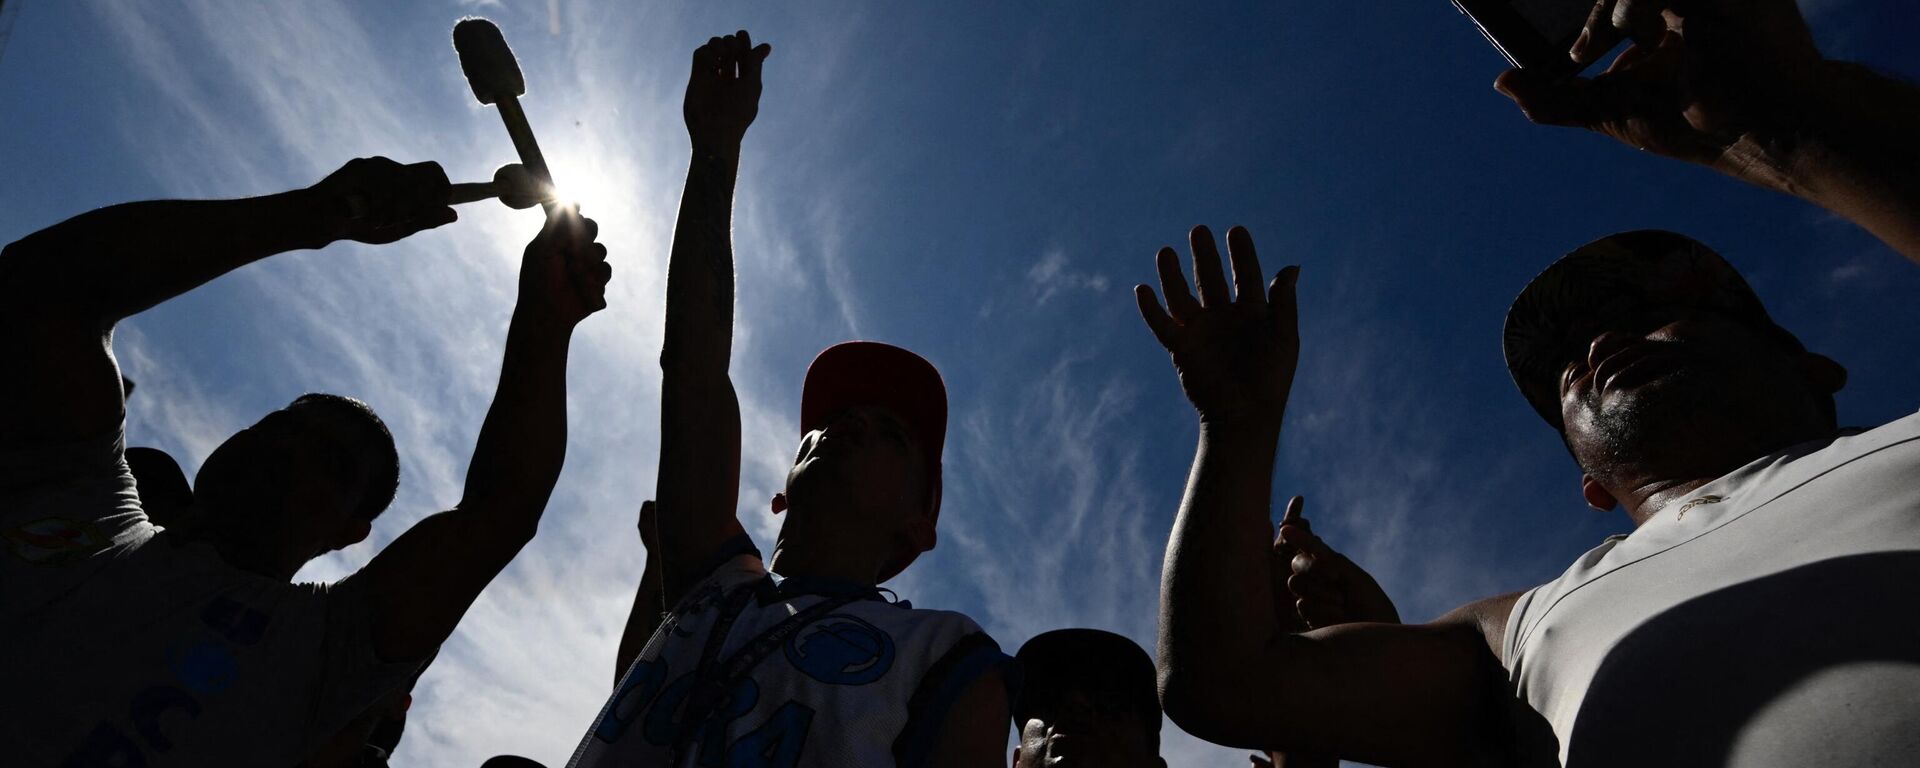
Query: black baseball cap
(1553, 319)
(1088, 660)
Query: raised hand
(723, 93)
(1724, 83)
(1235, 349)
(1321, 586)
(564, 274)
(376, 200)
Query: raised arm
(423, 582)
(1230, 672)
(699, 476)
(1738, 86)
(63, 288)
(649, 605)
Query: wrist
(307, 217)
(1842, 129)
(539, 326)
(725, 152)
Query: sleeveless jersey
(1767, 619)
(795, 678)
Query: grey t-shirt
(125, 647)
(1765, 620)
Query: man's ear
(1822, 373)
(351, 533)
(1597, 496)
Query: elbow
(1210, 707)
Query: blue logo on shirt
(841, 650)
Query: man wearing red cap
(1761, 611)
(816, 668)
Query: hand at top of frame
(723, 93)
(1723, 83)
(1234, 347)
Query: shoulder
(1488, 618)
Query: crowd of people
(1752, 617)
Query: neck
(809, 564)
(1645, 488)
(237, 550)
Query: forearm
(523, 441)
(116, 261)
(699, 324)
(699, 468)
(1216, 608)
(1856, 153)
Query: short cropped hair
(384, 479)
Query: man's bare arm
(63, 288)
(423, 582)
(1739, 86)
(1229, 673)
(699, 477)
(648, 604)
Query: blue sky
(981, 182)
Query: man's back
(1765, 620)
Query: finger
(427, 189)
(1173, 285)
(1245, 263)
(703, 59)
(1283, 302)
(1295, 507)
(1157, 319)
(736, 51)
(1207, 276)
(1642, 20)
(750, 66)
(1597, 36)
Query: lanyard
(714, 678)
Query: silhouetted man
(817, 668)
(1754, 617)
(190, 647)
(1087, 700)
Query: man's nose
(1606, 344)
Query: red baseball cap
(856, 373)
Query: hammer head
(487, 61)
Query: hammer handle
(471, 193)
(523, 143)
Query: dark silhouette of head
(306, 479)
(1652, 357)
(1089, 699)
(863, 496)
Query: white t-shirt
(1768, 619)
(860, 682)
(124, 648)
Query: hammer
(495, 78)
(513, 184)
